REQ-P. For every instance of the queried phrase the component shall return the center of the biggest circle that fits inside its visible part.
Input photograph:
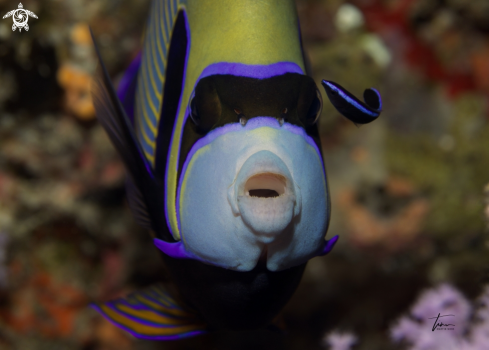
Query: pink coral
(339, 341)
(418, 329)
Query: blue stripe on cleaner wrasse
(216, 124)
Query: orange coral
(44, 305)
(392, 231)
(76, 84)
(80, 34)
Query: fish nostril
(265, 185)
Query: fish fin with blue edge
(152, 314)
(143, 187)
(126, 90)
(351, 107)
(113, 118)
(329, 245)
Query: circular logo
(20, 17)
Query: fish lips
(265, 196)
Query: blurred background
(408, 191)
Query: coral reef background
(408, 191)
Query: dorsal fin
(111, 115)
(145, 187)
(136, 203)
(126, 90)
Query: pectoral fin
(329, 245)
(152, 314)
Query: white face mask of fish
(254, 188)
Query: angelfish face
(252, 191)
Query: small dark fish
(216, 122)
(350, 106)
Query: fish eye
(194, 113)
(204, 108)
(315, 109)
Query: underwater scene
(351, 136)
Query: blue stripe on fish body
(161, 41)
(351, 107)
(158, 53)
(151, 85)
(148, 150)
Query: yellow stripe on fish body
(149, 97)
(159, 318)
(145, 330)
(151, 316)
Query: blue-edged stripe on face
(251, 71)
(252, 124)
(245, 70)
(169, 153)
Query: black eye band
(205, 107)
(315, 109)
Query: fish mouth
(264, 196)
(265, 185)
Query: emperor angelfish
(216, 122)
